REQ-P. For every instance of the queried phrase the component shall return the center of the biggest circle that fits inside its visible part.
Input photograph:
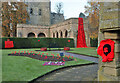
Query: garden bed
(42, 57)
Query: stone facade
(110, 29)
(23, 30)
(39, 13)
(65, 29)
(56, 18)
(0, 19)
(49, 24)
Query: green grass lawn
(19, 68)
(84, 51)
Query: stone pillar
(64, 34)
(110, 29)
(36, 35)
(55, 34)
(59, 35)
(75, 38)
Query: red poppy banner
(9, 44)
(81, 42)
(106, 50)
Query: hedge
(94, 42)
(35, 43)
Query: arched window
(31, 34)
(57, 34)
(61, 35)
(41, 35)
(31, 11)
(66, 33)
(40, 12)
(53, 35)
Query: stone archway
(61, 34)
(66, 33)
(57, 35)
(41, 35)
(53, 35)
(31, 34)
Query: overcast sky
(71, 8)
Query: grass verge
(84, 51)
(19, 68)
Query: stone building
(56, 18)
(43, 23)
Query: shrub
(39, 42)
(94, 42)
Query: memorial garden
(22, 63)
(27, 67)
(26, 59)
(59, 53)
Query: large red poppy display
(81, 35)
(9, 44)
(106, 50)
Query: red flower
(68, 40)
(63, 60)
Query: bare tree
(92, 9)
(58, 8)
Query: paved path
(81, 73)
(81, 56)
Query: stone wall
(109, 15)
(0, 19)
(110, 29)
(65, 29)
(23, 30)
(69, 25)
(56, 18)
(40, 13)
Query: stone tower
(39, 12)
